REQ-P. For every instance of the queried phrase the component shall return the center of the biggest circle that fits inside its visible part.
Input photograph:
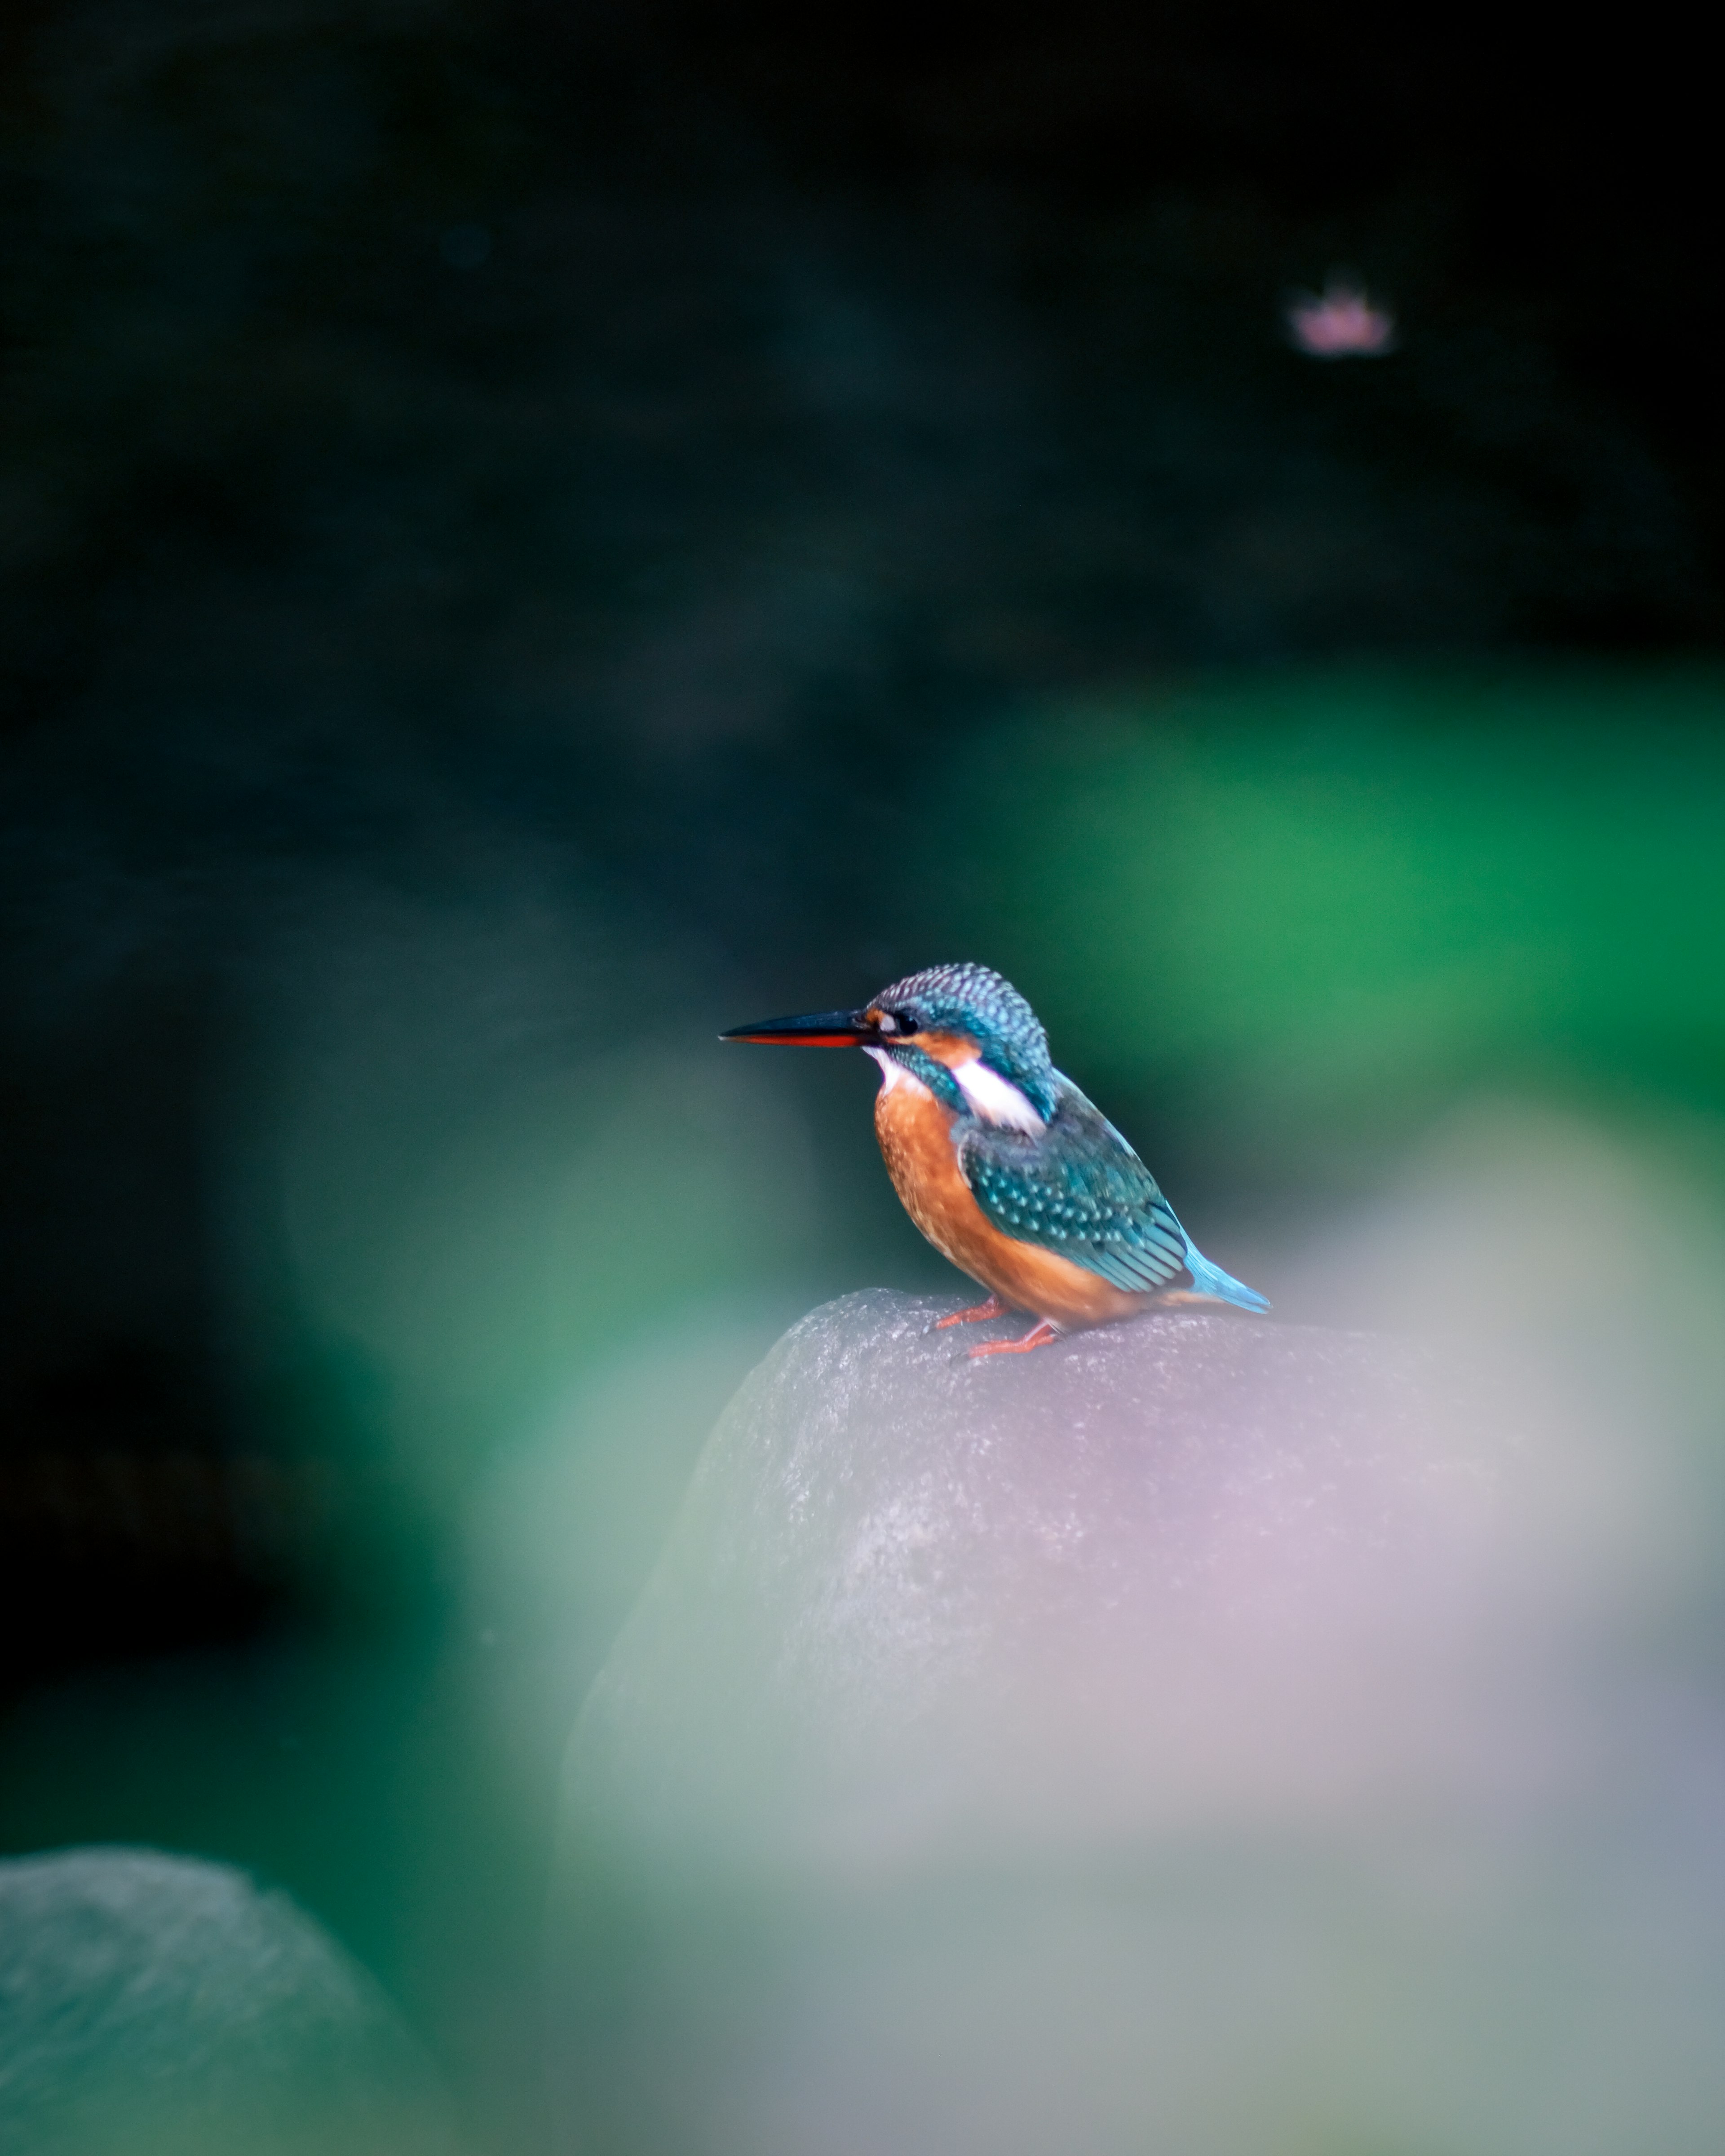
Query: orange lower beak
(821, 1030)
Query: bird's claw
(1038, 1336)
(994, 1307)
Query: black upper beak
(818, 1029)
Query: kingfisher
(1004, 1165)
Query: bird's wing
(1079, 1189)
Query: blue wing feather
(1079, 1189)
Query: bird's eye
(896, 1022)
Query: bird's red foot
(994, 1307)
(1038, 1336)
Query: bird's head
(962, 1031)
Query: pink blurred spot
(1342, 324)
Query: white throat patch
(996, 1099)
(895, 1074)
(993, 1098)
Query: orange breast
(914, 1131)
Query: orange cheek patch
(951, 1049)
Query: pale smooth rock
(1204, 1735)
(160, 2006)
(1190, 1568)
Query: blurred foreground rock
(1201, 1735)
(152, 2005)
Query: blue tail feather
(1211, 1280)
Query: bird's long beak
(818, 1029)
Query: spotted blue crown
(975, 1000)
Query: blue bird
(1004, 1165)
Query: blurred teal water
(1304, 912)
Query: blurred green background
(531, 536)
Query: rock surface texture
(1188, 1568)
(157, 2006)
(1202, 1734)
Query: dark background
(532, 533)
